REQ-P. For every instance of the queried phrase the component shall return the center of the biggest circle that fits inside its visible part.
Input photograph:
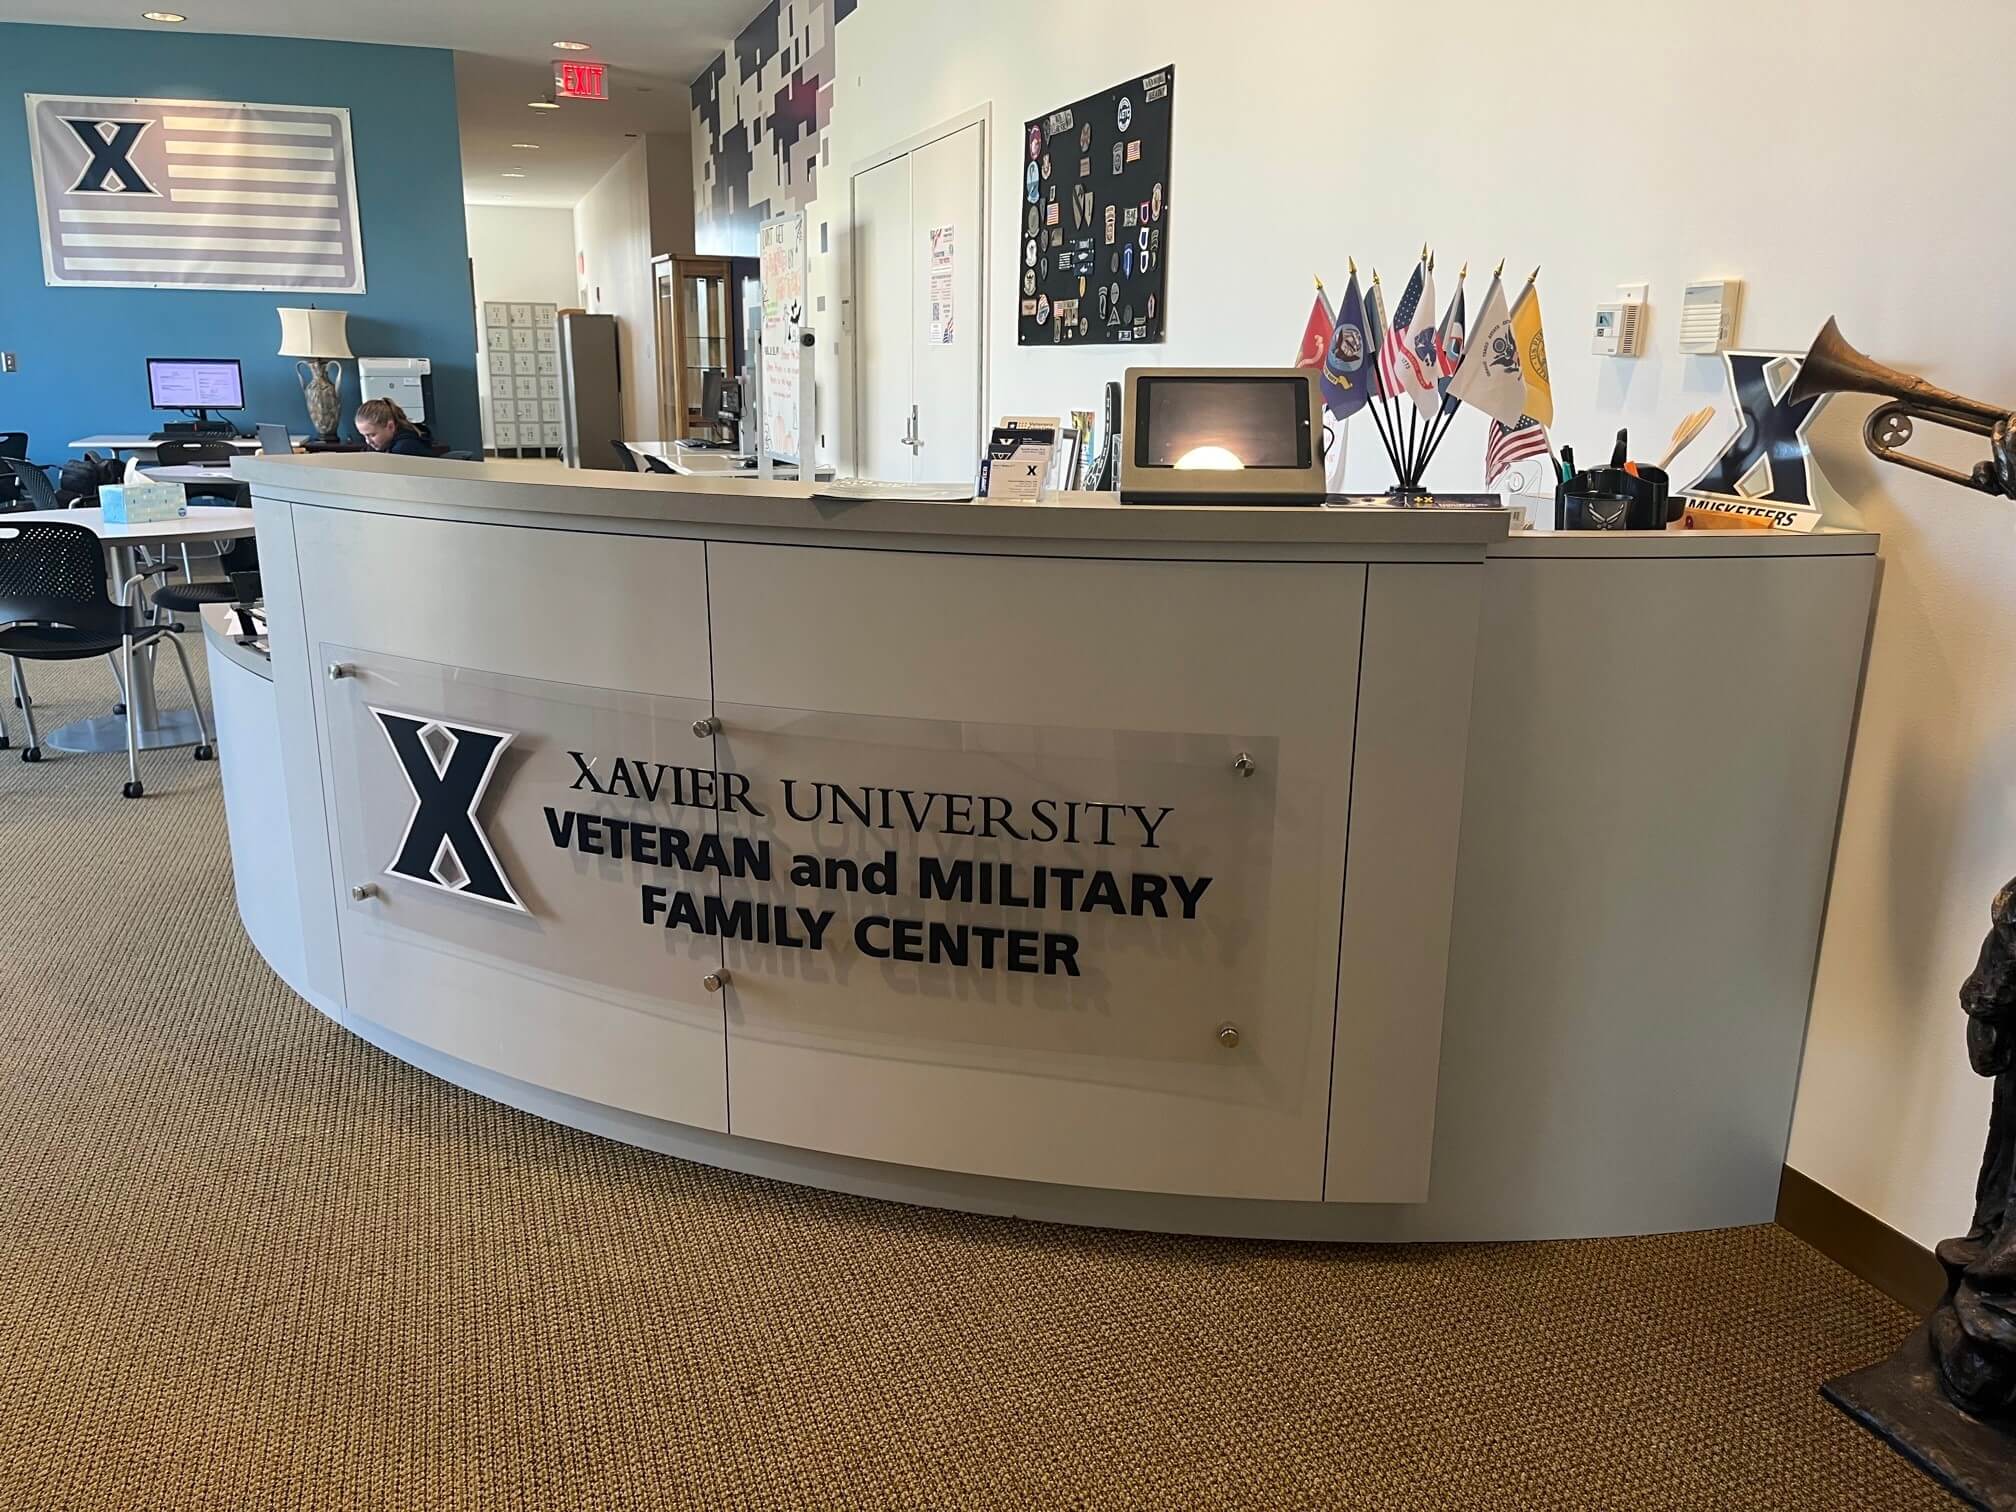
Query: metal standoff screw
(1228, 1036)
(714, 981)
(364, 890)
(1244, 764)
(340, 670)
(705, 727)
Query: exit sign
(578, 80)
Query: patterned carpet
(247, 1261)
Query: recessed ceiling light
(514, 175)
(542, 105)
(165, 18)
(572, 46)
(527, 146)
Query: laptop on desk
(274, 441)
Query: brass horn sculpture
(1835, 367)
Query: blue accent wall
(82, 350)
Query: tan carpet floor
(247, 1261)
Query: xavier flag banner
(195, 194)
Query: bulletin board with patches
(1095, 217)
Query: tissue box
(142, 503)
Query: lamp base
(320, 380)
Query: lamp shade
(314, 333)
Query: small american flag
(1400, 371)
(195, 194)
(1504, 447)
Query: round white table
(158, 729)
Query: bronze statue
(1974, 1328)
(1947, 1397)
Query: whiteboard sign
(781, 252)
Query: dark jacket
(408, 442)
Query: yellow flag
(1532, 346)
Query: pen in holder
(1612, 498)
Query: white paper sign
(781, 262)
(941, 286)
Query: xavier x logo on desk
(449, 768)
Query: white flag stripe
(252, 175)
(246, 128)
(204, 243)
(204, 269)
(200, 219)
(249, 150)
(250, 197)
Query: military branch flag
(1375, 338)
(1504, 445)
(1347, 365)
(1490, 378)
(1316, 334)
(1421, 338)
(1533, 352)
(1449, 343)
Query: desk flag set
(1412, 371)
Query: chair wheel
(133, 790)
(5, 742)
(119, 711)
(205, 753)
(31, 753)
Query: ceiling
(504, 58)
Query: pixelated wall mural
(759, 122)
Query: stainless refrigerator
(591, 391)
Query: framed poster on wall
(1095, 217)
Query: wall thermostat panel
(1708, 315)
(1619, 330)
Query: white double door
(919, 274)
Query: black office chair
(460, 456)
(13, 447)
(179, 453)
(37, 492)
(240, 560)
(656, 464)
(54, 603)
(626, 459)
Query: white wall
(612, 231)
(642, 207)
(519, 253)
(1839, 163)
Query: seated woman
(385, 428)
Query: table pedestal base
(172, 727)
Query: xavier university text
(984, 816)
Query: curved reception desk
(1348, 874)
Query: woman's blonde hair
(384, 412)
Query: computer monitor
(1221, 436)
(710, 393)
(196, 384)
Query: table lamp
(320, 337)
